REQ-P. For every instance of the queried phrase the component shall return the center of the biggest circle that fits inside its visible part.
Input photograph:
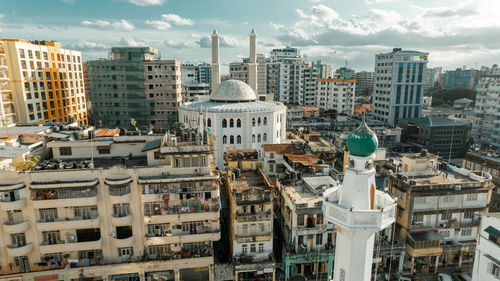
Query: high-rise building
(486, 125)
(345, 73)
(461, 78)
(87, 90)
(7, 105)
(47, 81)
(189, 74)
(336, 94)
(398, 85)
(133, 84)
(431, 77)
(364, 83)
(205, 73)
(239, 71)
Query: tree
(29, 163)
(134, 124)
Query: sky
(456, 33)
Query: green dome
(362, 142)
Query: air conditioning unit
(112, 234)
(458, 187)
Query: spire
(215, 59)
(252, 66)
(215, 32)
(253, 31)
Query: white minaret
(215, 59)
(357, 209)
(252, 65)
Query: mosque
(233, 114)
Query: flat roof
(436, 121)
(280, 148)
(12, 151)
(300, 194)
(107, 132)
(248, 180)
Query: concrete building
(47, 82)
(357, 209)
(205, 73)
(197, 91)
(345, 73)
(438, 210)
(239, 71)
(251, 225)
(364, 82)
(486, 263)
(398, 85)
(300, 112)
(189, 74)
(7, 101)
(308, 237)
(114, 222)
(448, 138)
(486, 126)
(431, 77)
(134, 84)
(490, 164)
(336, 94)
(461, 78)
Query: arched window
(231, 139)
(224, 123)
(265, 120)
(264, 137)
(253, 122)
(238, 123)
(238, 138)
(259, 122)
(258, 138)
(224, 139)
(231, 122)
(209, 122)
(253, 138)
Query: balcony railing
(243, 217)
(63, 193)
(187, 206)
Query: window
(471, 197)
(494, 269)
(238, 123)
(319, 239)
(271, 155)
(448, 199)
(253, 122)
(418, 218)
(468, 214)
(446, 216)
(259, 121)
(258, 138)
(261, 227)
(420, 200)
(64, 151)
(104, 150)
(300, 220)
(231, 138)
(244, 248)
(253, 138)
(177, 162)
(238, 139)
(224, 139)
(466, 232)
(245, 227)
(265, 120)
(261, 247)
(271, 168)
(128, 251)
(252, 248)
(224, 123)
(209, 122)
(445, 233)
(231, 123)
(264, 137)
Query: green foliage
(28, 163)
(447, 96)
(260, 165)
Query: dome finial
(363, 142)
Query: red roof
(107, 132)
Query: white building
(234, 116)
(486, 126)
(398, 85)
(336, 94)
(487, 259)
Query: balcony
(13, 205)
(119, 195)
(62, 246)
(249, 217)
(124, 242)
(16, 226)
(64, 197)
(424, 243)
(121, 220)
(15, 250)
(69, 223)
(183, 237)
(188, 210)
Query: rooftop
(449, 175)
(282, 148)
(300, 194)
(107, 132)
(435, 121)
(12, 152)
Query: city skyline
(332, 31)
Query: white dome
(233, 91)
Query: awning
(11, 187)
(492, 231)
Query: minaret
(252, 65)
(357, 209)
(215, 59)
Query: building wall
(486, 266)
(336, 94)
(7, 100)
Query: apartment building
(7, 105)
(438, 210)
(151, 216)
(488, 163)
(47, 82)
(308, 239)
(345, 72)
(251, 225)
(431, 77)
(398, 85)
(239, 71)
(486, 262)
(461, 78)
(336, 94)
(364, 82)
(134, 84)
(486, 125)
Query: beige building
(114, 222)
(7, 105)
(239, 71)
(47, 81)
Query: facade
(134, 85)
(461, 78)
(438, 210)
(239, 71)
(345, 73)
(357, 209)
(308, 237)
(251, 226)
(487, 163)
(398, 85)
(200, 90)
(486, 126)
(7, 105)
(205, 73)
(125, 222)
(189, 74)
(364, 82)
(47, 82)
(448, 138)
(486, 263)
(431, 77)
(360, 109)
(336, 94)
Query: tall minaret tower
(215, 59)
(252, 65)
(357, 209)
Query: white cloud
(176, 19)
(122, 25)
(324, 13)
(226, 41)
(132, 42)
(1, 16)
(69, 1)
(277, 26)
(159, 24)
(147, 2)
(371, 2)
(87, 46)
(178, 44)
